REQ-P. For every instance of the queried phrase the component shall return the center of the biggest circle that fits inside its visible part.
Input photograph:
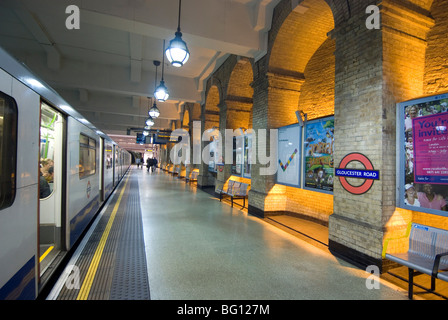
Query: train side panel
(82, 188)
(19, 222)
(108, 168)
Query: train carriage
(56, 172)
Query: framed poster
(238, 155)
(422, 154)
(247, 154)
(289, 155)
(318, 155)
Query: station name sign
(369, 174)
(354, 173)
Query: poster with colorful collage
(424, 164)
(318, 154)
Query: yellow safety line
(42, 257)
(88, 281)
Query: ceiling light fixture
(161, 92)
(177, 52)
(150, 121)
(154, 111)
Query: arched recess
(239, 100)
(436, 58)
(301, 76)
(424, 72)
(303, 35)
(186, 120)
(211, 111)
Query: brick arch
(297, 34)
(186, 119)
(424, 4)
(213, 99)
(240, 80)
(213, 94)
(239, 95)
(211, 108)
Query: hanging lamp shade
(154, 111)
(177, 52)
(161, 92)
(149, 121)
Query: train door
(102, 151)
(50, 186)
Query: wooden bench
(427, 253)
(235, 190)
(193, 177)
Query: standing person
(148, 164)
(138, 162)
(155, 164)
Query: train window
(8, 150)
(109, 156)
(87, 156)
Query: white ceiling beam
(136, 52)
(112, 79)
(33, 25)
(118, 105)
(247, 45)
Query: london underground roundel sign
(368, 174)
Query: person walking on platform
(154, 164)
(148, 164)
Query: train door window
(87, 156)
(8, 149)
(50, 185)
(109, 156)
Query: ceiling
(105, 69)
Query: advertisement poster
(430, 148)
(319, 164)
(425, 159)
(289, 152)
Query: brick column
(375, 69)
(209, 119)
(276, 98)
(223, 175)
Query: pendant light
(177, 52)
(154, 111)
(149, 121)
(161, 93)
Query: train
(57, 170)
